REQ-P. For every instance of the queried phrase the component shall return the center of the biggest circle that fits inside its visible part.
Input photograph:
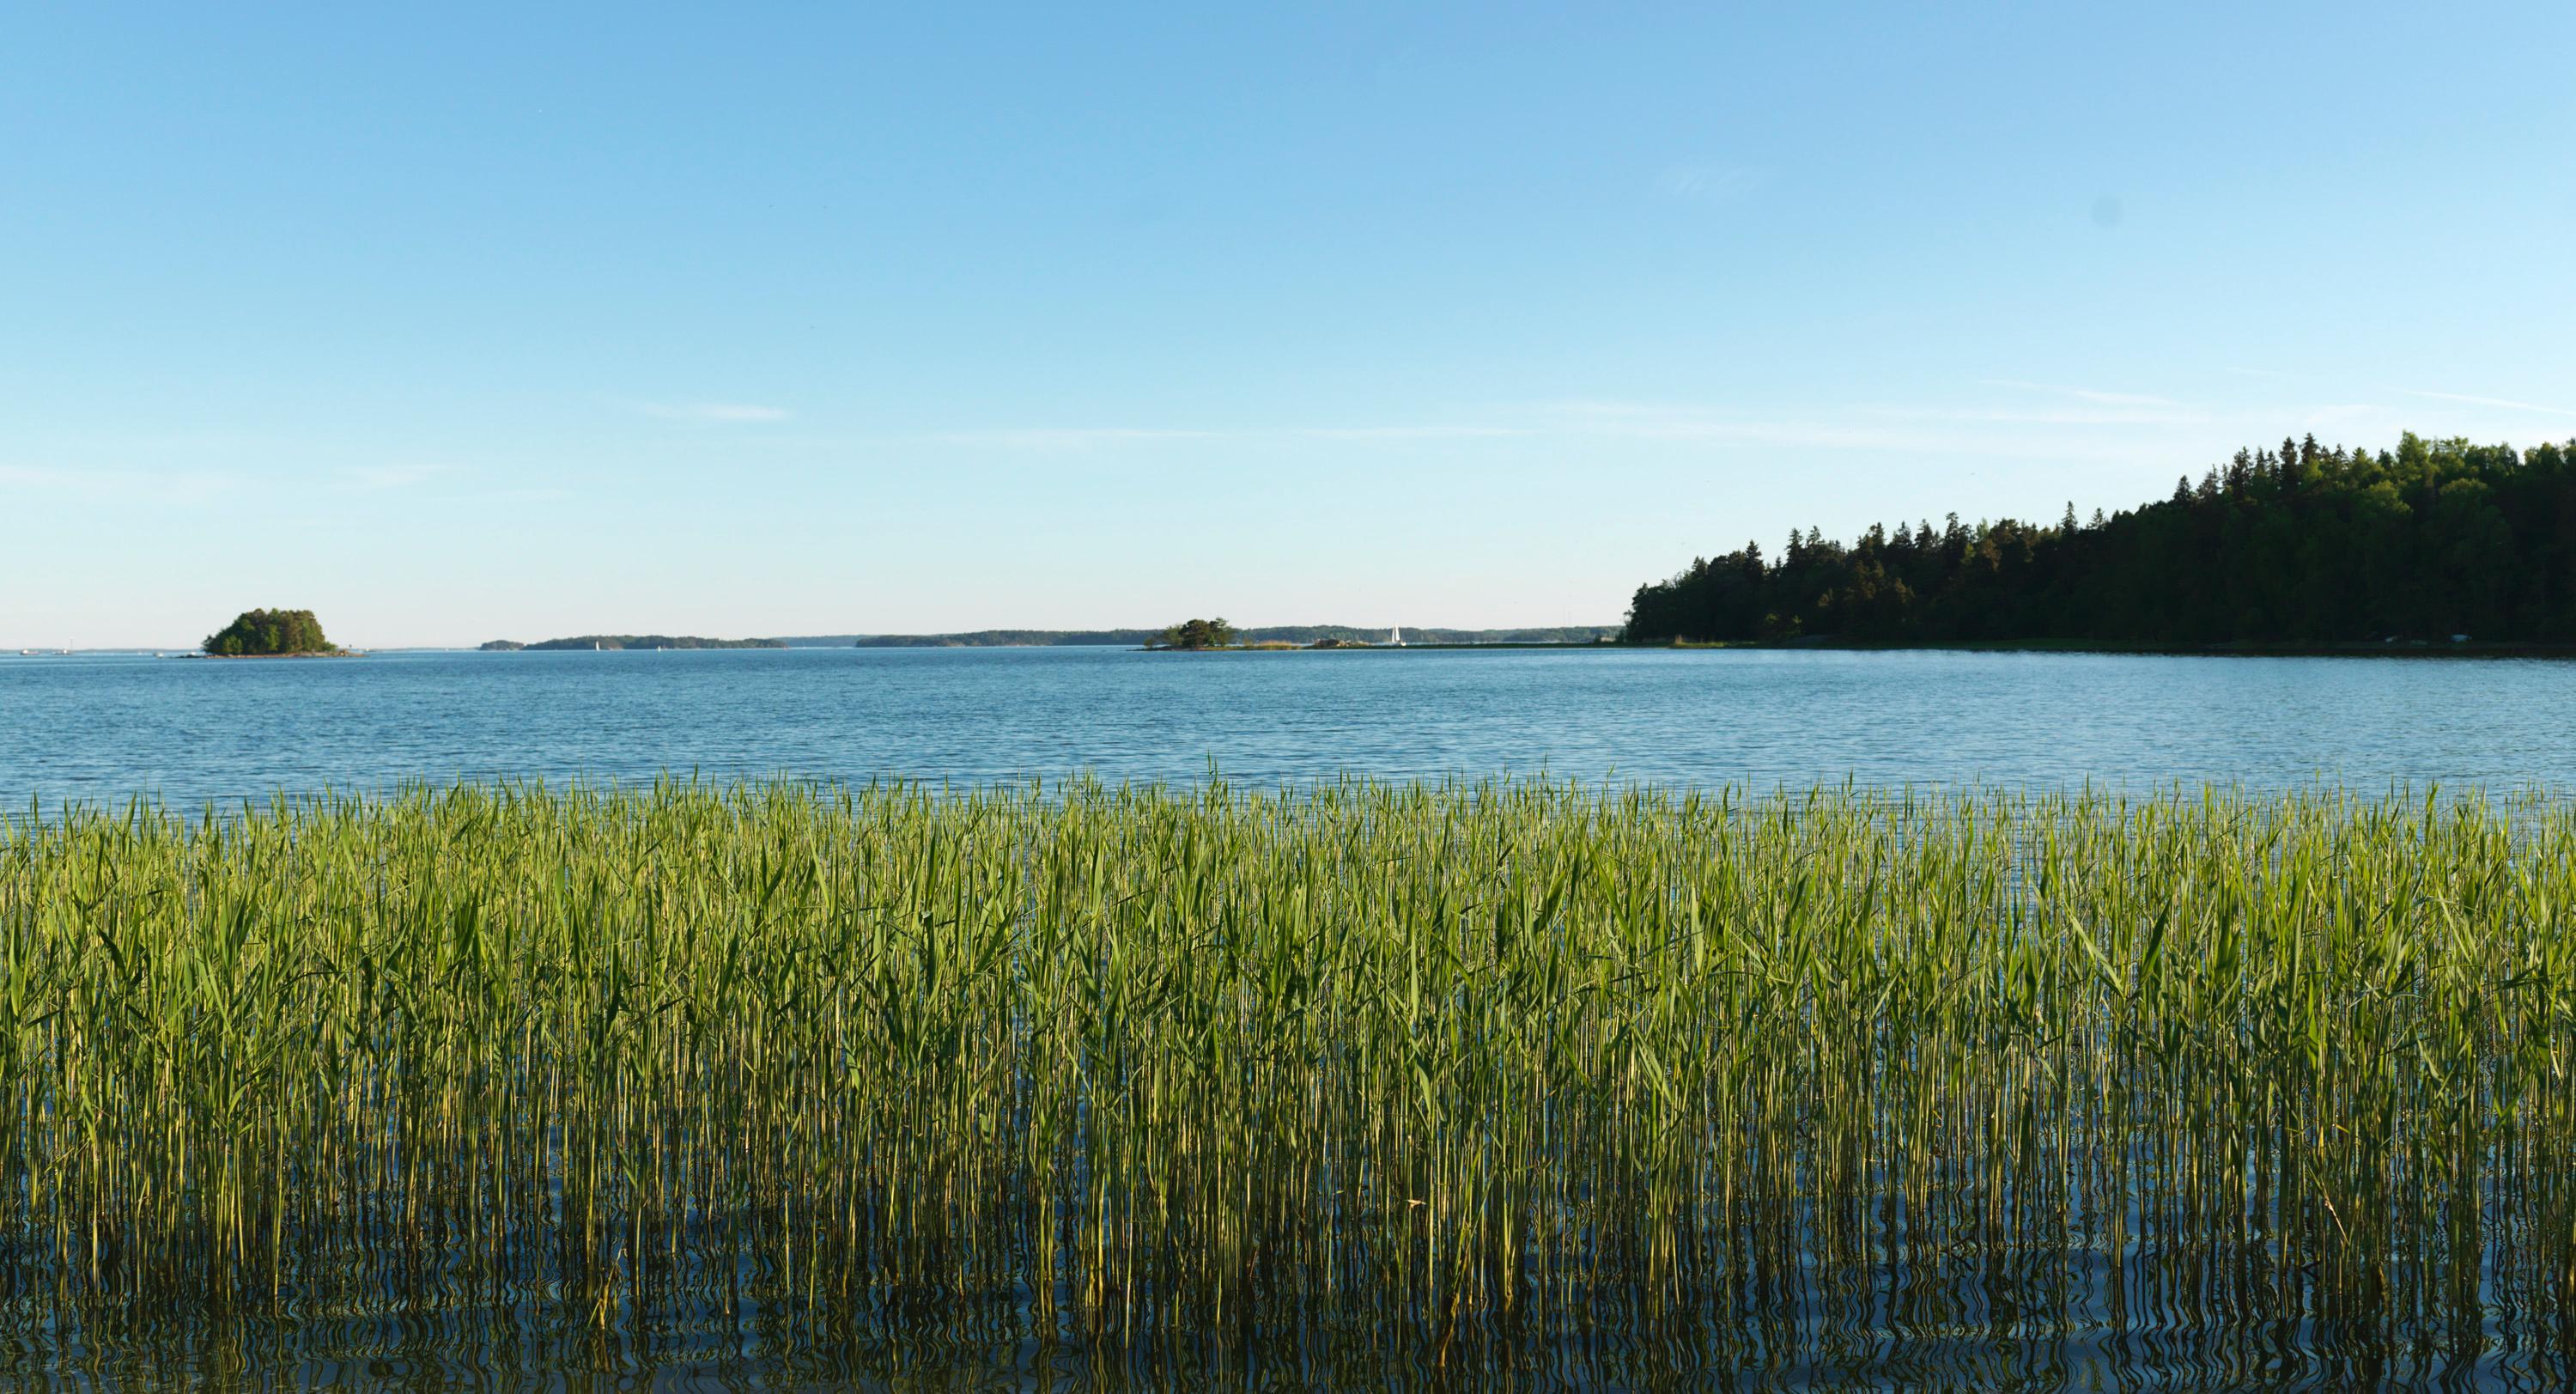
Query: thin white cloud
(2086, 394)
(712, 413)
(1085, 437)
(117, 486)
(1068, 437)
(2046, 416)
(2123, 436)
(1705, 183)
(2489, 402)
(2273, 373)
(380, 478)
(2338, 413)
(1410, 432)
(1721, 426)
(2091, 424)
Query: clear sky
(532, 320)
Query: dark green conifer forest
(2297, 545)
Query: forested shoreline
(2299, 545)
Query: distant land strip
(1285, 633)
(636, 641)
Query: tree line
(2302, 544)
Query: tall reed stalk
(1357, 1077)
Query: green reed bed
(1475, 1076)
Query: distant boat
(1395, 636)
(26, 653)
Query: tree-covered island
(1195, 634)
(2435, 540)
(270, 634)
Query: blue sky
(480, 321)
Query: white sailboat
(1395, 636)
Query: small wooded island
(1199, 636)
(270, 634)
(1195, 634)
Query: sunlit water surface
(103, 729)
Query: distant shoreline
(2414, 649)
(1406, 647)
(2349, 648)
(582, 643)
(1566, 634)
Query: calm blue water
(106, 728)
